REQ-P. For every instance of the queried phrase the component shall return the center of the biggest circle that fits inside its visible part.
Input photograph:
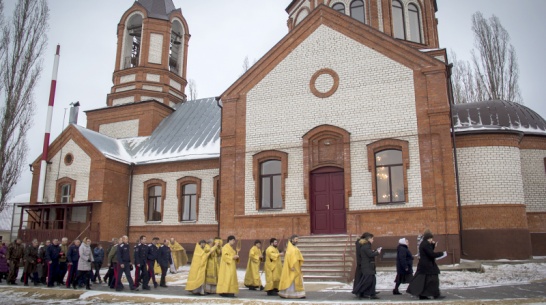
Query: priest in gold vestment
(227, 275)
(252, 275)
(272, 267)
(198, 268)
(291, 283)
(179, 256)
(213, 264)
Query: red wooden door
(328, 202)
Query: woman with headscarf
(426, 283)
(404, 265)
(84, 263)
(365, 288)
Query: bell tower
(151, 55)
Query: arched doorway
(327, 204)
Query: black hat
(427, 235)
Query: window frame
(390, 175)
(363, 10)
(382, 145)
(147, 185)
(180, 183)
(337, 10)
(257, 161)
(403, 10)
(58, 189)
(419, 27)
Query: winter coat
(73, 255)
(15, 251)
(427, 261)
(31, 254)
(367, 264)
(141, 254)
(123, 254)
(404, 260)
(164, 258)
(153, 252)
(3, 259)
(98, 255)
(86, 258)
(52, 253)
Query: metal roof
(191, 132)
(497, 116)
(158, 9)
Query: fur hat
(402, 241)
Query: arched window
(175, 50)
(398, 23)
(414, 23)
(270, 178)
(65, 190)
(132, 41)
(66, 193)
(154, 203)
(357, 10)
(340, 7)
(389, 173)
(189, 202)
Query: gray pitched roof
(191, 132)
(158, 9)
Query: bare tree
(23, 42)
(493, 73)
(246, 64)
(192, 89)
(495, 64)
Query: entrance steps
(328, 258)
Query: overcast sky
(223, 33)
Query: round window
(68, 159)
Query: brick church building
(346, 125)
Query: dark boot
(395, 291)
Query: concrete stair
(328, 258)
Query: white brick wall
(153, 77)
(156, 48)
(147, 98)
(127, 88)
(152, 88)
(78, 170)
(170, 216)
(127, 78)
(534, 179)
(120, 130)
(175, 94)
(175, 84)
(380, 14)
(490, 175)
(375, 100)
(124, 100)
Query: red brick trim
(216, 191)
(263, 156)
(533, 142)
(318, 152)
(304, 9)
(59, 185)
(326, 71)
(68, 159)
(487, 140)
(147, 185)
(384, 144)
(179, 185)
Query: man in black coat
(52, 259)
(124, 263)
(42, 261)
(153, 252)
(141, 260)
(426, 283)
(72, 258)
(164, 260)
(365, 288)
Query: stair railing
(349, 253)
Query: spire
(158, 9)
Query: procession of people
(213, 268)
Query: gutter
(131, 168)
(454, 142)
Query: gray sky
(223, 34)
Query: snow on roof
(191, 132)
(497, 116)
(7, 213)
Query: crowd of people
(213, 268)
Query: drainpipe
(131, 168)
(218, 187)
(459, 207)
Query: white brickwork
(490, 175)
(147, 98)
(153, 77)
(170, 211)
(172, 104)
(534, 179)
(324, 83)
(127, 78)
(375, 100)
(380, 14)
(152, 88)
(175, 85)
(156, 48)
(124, 100)
(175, 94)
(302, 13)
(127, 88)
(120, 130)
(78, 170)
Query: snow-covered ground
(497, 274)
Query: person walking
(426, 282)
(358, 261)
(198, 269)
(31, 259)
(63, 264)
(124, 263)
(272, 267)
(113, 259)
(365, 288)
(4, 267)
(15, 254)
(151, 259)
(141, 261)
(291, 282)
(404, 265)
(252, 274)
(98, 258)
(42, 264)
(164, 259)
(52, 260)
(84, 264)
(73, 258)
(227, 276)
(213, 265)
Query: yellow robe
(272, 268)
(180, 258)
(196, 276)
(212, 267)
(292, 259)
(157, 268)
(227, 275)
(252, 275)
